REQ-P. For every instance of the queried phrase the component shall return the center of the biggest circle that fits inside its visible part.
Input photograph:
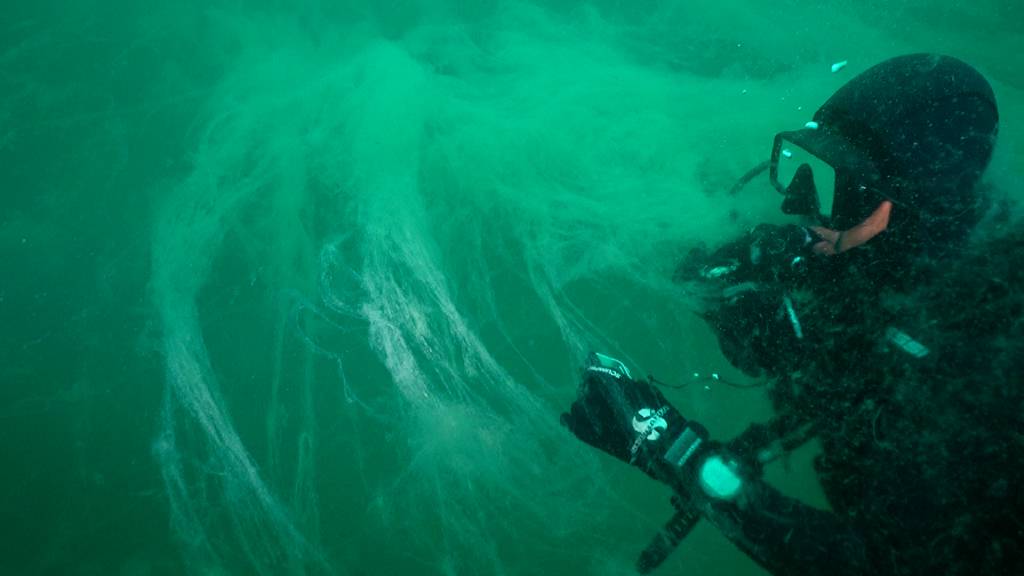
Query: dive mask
(822, 176)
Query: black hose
(750, 175)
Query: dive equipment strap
(675, 531)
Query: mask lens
(791, 157)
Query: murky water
(302, 289)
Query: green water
(302, 289)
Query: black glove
(767, 254)
(632, 421)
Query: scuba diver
(883, 329)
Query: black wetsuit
(923, 457)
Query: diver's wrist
(695, 460)
(719, 477)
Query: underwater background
(303, 287)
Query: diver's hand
(780, 252)
(632, 421)
(830, 242)
(768, 253)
